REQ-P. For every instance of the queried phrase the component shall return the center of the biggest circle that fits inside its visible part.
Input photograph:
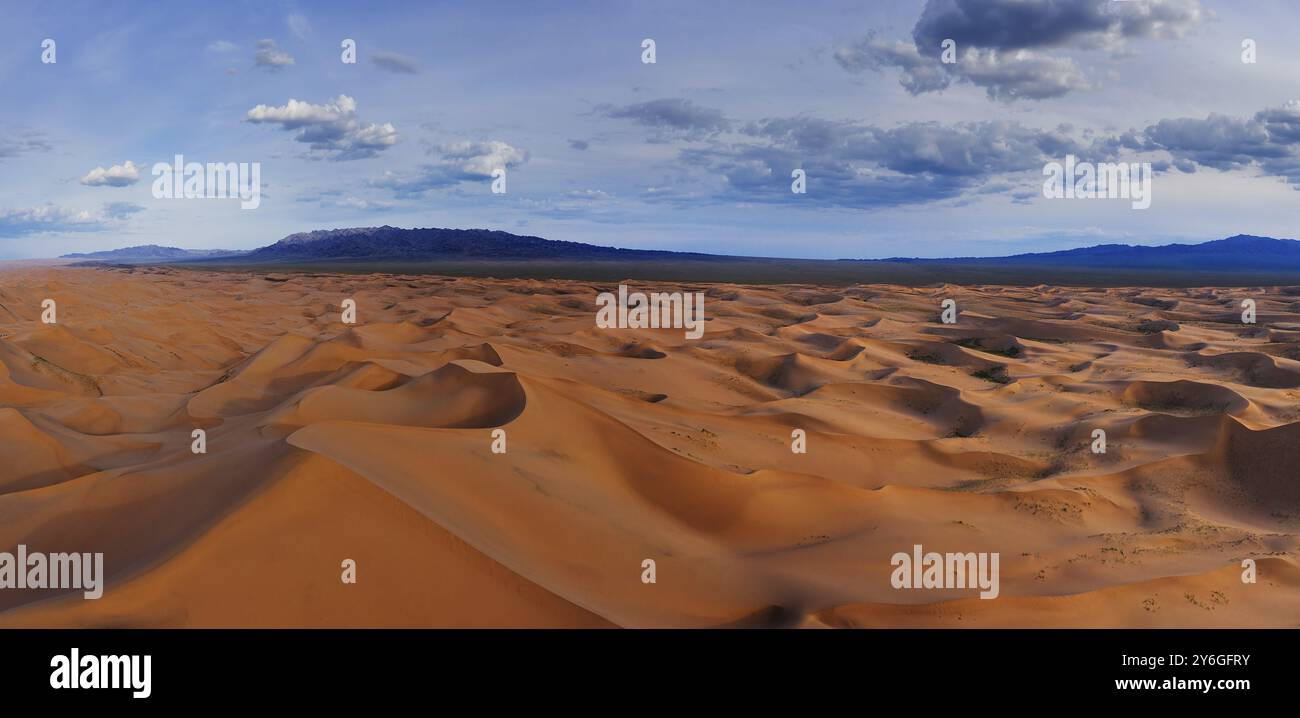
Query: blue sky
(905, 155)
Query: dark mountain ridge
(393, 243)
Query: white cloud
(121, 175)
(460, 162)
(52, 219)
(295, 113)
(331, 129)
(480, 158)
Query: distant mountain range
(154, 253)
(395, 244)
(1242, 252)
(456, 250)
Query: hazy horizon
(752, 256)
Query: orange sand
(373, 442)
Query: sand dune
(374, 442)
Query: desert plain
(373, 442)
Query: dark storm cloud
(996, 42)
(1268, 141)
(1032, 24)
(851, 164)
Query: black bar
(944, 667)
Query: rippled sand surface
(373, 442)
